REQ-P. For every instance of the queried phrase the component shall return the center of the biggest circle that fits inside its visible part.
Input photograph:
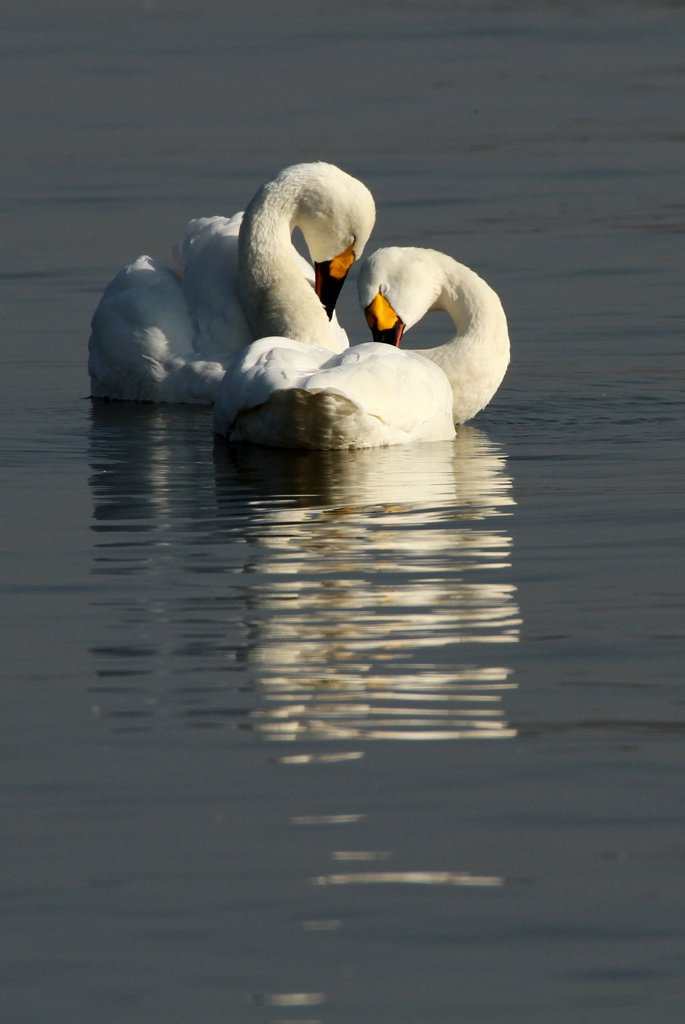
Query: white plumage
(411, 282)
(167, 335)
(281, 393)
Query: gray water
(390, 736)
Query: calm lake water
(386, 737)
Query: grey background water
(375, 737)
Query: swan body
(283, 393)
(397, 286)
(167, 335)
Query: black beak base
(391, 336)
(327, 287)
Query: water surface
(377, 737)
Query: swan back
(415, 281)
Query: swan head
(335, 213)
(397, 286)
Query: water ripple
(355, 595)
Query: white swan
(398, 286)
(167, 335)
(279, 392)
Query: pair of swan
(189, 335)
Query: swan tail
(196, 382)
(301, 418)
(146, 378)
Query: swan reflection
(369, 582)
(306, 595)
(460, 878)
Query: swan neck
(467, 300)
(278, 300)
(475, 359)
(265, 248)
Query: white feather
(416, 281)
(282, 393)
(167, 337)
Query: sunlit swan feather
(166, 335)
(398, 286)
(281, 393)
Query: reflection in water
(304, 596)
(321, 758)
(364, 588)
(326, 819)
(290, 999)
(357, 594)
(461, 878)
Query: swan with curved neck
(398, 286)
(282, 393)
(165, 336)
(335, 214)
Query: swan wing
(206, 257)
(403, 396)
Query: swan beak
(330, 277)
(385, 324)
